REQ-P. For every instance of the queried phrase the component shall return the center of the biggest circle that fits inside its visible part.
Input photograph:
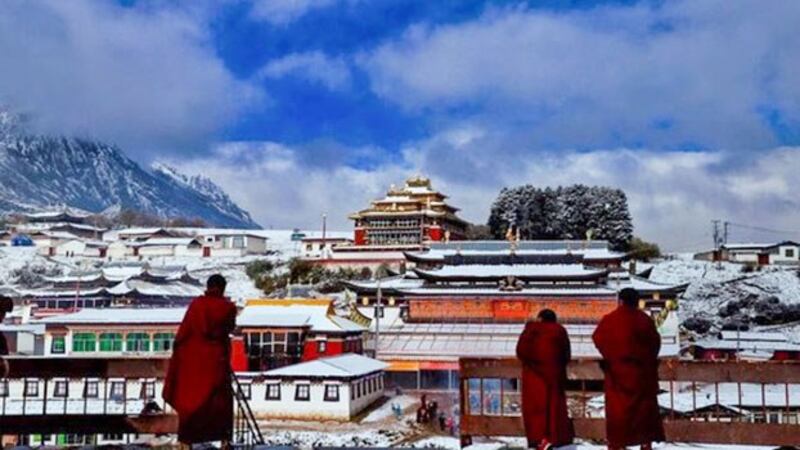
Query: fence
(725, 402)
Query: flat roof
(348, 365)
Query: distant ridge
(43, 172)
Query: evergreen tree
(569, 212)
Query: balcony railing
(730, 402)
(98, 395)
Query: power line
(763, 229)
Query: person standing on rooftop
(629, 342)
(544, 350)
(198, 383)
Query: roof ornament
(589, 234)
(510, 283)
(512, 236)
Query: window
(31, 388)
(238, 242)
(114, 437)
(162, 342)
(331, 393)
(273, 391)
(74, 439)
(111, 342)
(302, 392)
(309, 247)
(91, 389)
(137, 342)
(358, 389)
(789, 252)
(61, 389)
(148, 390)
(58, 345)
(84, 342)
(117, 390)
(3, 388)
(352, 392)
(247, 391)
(322, 346)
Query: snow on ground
(313, 439)
(712, 286)
(452, 443)
(679, 271)
(13, 258)
(384, 411)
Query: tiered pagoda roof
(415, 198)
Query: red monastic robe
(198, 383)
(629, 342)
(544, 350)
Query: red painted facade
(360, 236)
(435, 233)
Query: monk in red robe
(629, 342)
(198, 383)
(544, 350)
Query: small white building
(81, 248)
(786, 252)
(335, 388)
(169, 246)
(318, 247)
(230, 242)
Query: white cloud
(144, 77)
(673, 196)
(331, 72)
(671, 74)
(282, 12)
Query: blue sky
(299, 107)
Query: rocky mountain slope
(38, 172)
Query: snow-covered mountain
(43, 171)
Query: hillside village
(79, 290)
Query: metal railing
(100, 395)
(245, 428)
(717, 402)
(85, 396)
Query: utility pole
(717, 243)
(725, 232)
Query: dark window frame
(63, 392)
(247, 391)
(58, 338)
(304, 387)
(148, 391)
(332, 393)
(31, 389)
(273, 388)
(113, 393)
(91, 393)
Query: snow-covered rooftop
(315, 314)
(588, 254)
(348, 365)
(517, 270)
(120, 316)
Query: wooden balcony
(61, 403)
(490, 400)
